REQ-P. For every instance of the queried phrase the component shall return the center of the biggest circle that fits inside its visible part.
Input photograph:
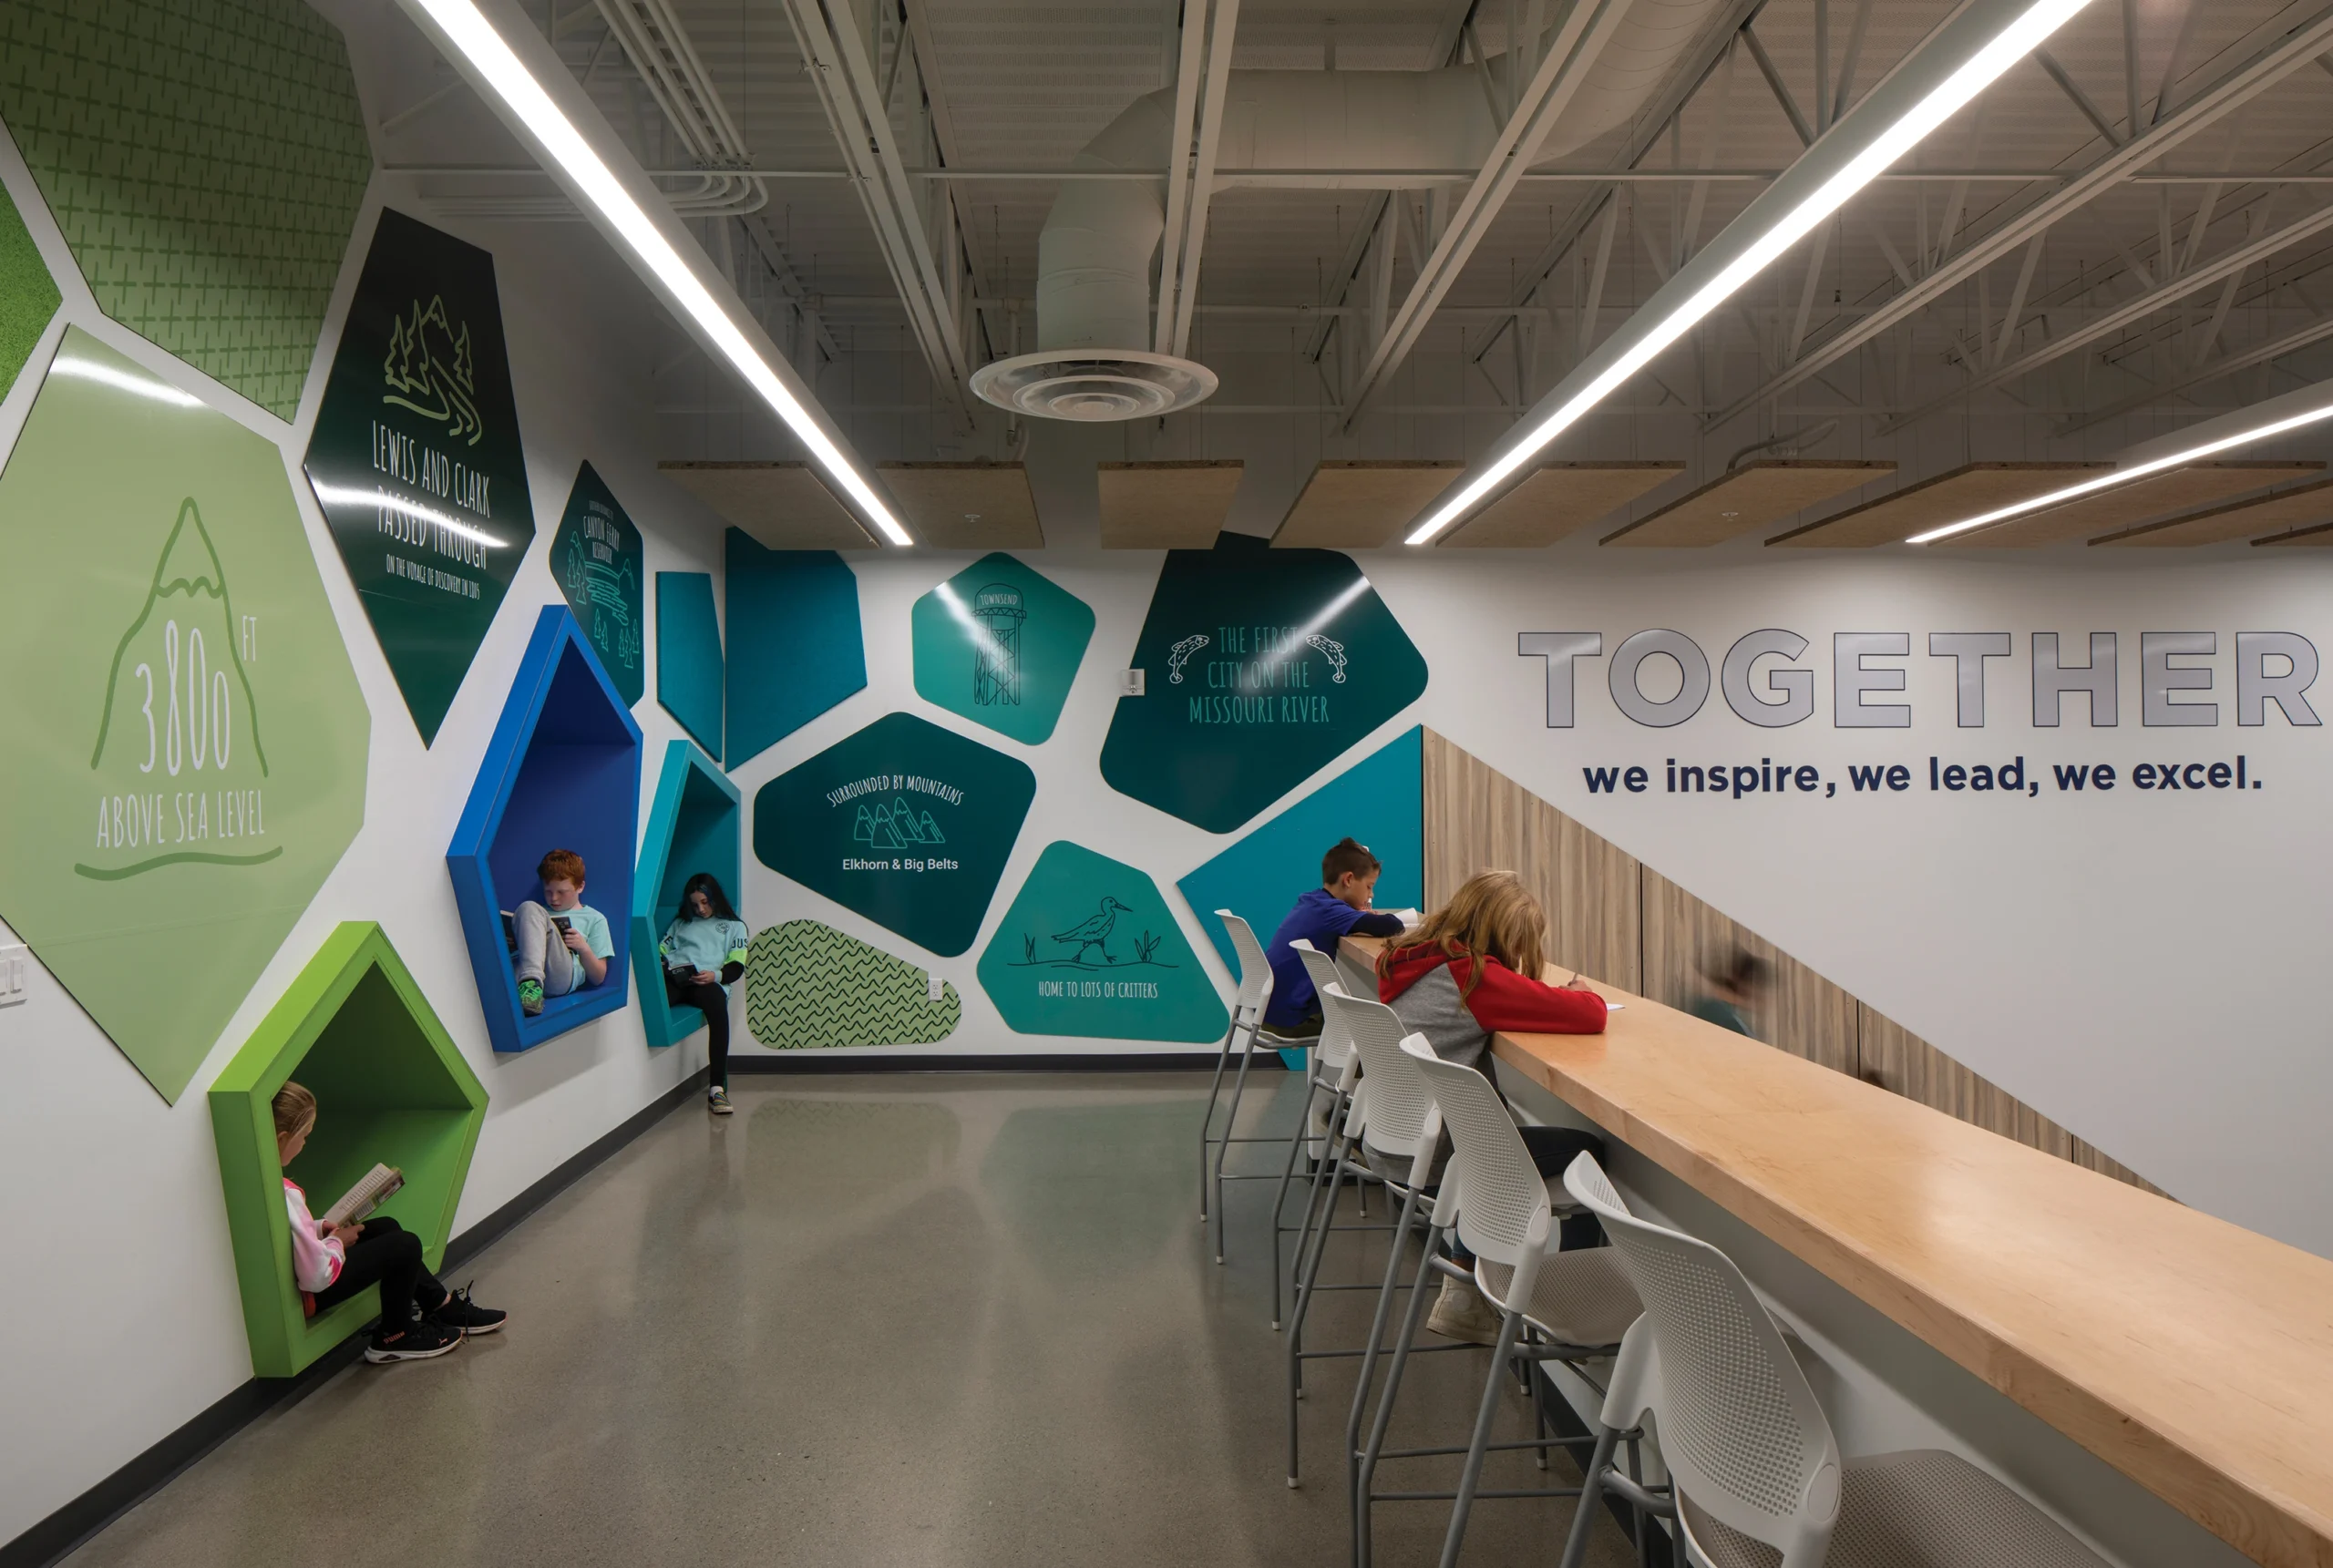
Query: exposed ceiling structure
(2128, 232)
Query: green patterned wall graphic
(28, 296)
(810, 988)
(205, 160)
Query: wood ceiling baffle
(1360, 505)
(2303, 508)
(966, 505)
(1169, 506)
(1946, 498)
(780, 506)
(2124, 505)
(1556, 500)
(1743, 500)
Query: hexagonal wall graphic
(205, 164)
(998, 643)
(190, 762)
(28, 295)
(809, 987)
(695, 823)
(391, 1087)
(1089, 948)
(560, 772)
(1264, 666)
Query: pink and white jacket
(316, 1258)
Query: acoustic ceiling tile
(778, 506)
(2121, 506)
(1743, 500)
(1559, 499)
(1176, 505)
(1361, 505)
(2302, 509)
(1963, 492)
(965, 505)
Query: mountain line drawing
(195, 579)
(429, 370)
(896, 827)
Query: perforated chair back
(1400, 1105)
(1336, 1042)
(1738, 1427)
(1503, 1210)
(1255, 969)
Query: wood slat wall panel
(1477, 819)
(1801, 1012)
(1613, 917)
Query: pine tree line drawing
(429, 370)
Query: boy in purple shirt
(1339, 906)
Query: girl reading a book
(330, 1262)
(704, 952)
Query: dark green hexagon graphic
(904, 822)
(1089, 948)
(1262, 667)
(189, 764)
(998, 643)
(28, 296)
(596, 556)
(205, 160)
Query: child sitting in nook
(1338, 907)
(1471, 969)
(704, 952)
(419, 1317)
(563, 942)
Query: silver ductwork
(1095, 255)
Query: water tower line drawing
(996, 670)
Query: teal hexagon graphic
(904, 822)
(1090, 949)
(1263, 666)
(998, 643)
(794, 639)
(205, 163)
(28, 295)
(189, 764)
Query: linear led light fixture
(464, 34)
(1960, 59)
(2196, 453)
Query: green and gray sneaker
(530, 998)
(716, 1100)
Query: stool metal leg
(1591, 1490)
(1314, 1087)
(1207, 1122)
(1470, 1477)
(1231, 1121)
(1367, 1467)
(1304, 1304)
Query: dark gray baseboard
(845, 1060)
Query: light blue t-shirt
(705, 944)
(595, 928)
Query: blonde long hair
(1493, 916)
(295, 1110)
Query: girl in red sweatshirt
(1471, 971)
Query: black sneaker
(460, 1315)
(419, 1342)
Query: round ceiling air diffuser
(1094, 387)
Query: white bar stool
(1760, 1482)
(1246, 1027)
(1332, 1071)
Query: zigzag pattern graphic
(810, 988)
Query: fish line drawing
(1334, 653)
(1180, 655)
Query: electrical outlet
(1131, 682)
(935, 988)
(16, 965)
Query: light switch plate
(15, 968)
(935, 987)
(1130, 683)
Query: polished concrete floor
(961, 1320)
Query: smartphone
(562, 922)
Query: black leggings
(713, 1003)
(389, 1256)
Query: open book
(370, 1191)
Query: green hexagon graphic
(28, 296)
(391, 1087)
(809, 987)
(189, 764)
(205, 161)
(998, 644)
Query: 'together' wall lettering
(1660, 679)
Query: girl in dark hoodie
(1469, 971)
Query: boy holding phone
(563, 942)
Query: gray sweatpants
(542, 956)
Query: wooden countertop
(2193, 1355)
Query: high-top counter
(2193, 1355)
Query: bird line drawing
(1180, 655)
(1092, 933)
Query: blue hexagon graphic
(561, 772)
(695, 823)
